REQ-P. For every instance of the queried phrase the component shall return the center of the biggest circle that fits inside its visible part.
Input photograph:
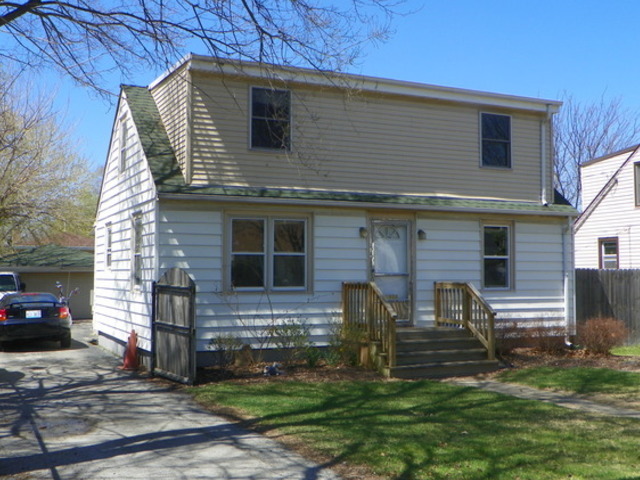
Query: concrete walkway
(560, 399)
(71, 414)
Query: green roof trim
(169, 180)
(49, 256)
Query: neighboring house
(272, 186)
(607, 232)
(40, 267)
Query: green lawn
(628, 351)
(432, 430)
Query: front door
(390, 263)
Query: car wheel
(65, 340)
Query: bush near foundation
(600, 334)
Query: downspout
(568, 283)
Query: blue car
(25, 316)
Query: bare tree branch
(86, 39)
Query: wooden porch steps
(439, 352)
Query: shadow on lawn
(427, 429)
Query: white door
(390, 263)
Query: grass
(433, 430)
(628, 351)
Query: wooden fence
(609, 293)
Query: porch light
(422, 235)
(363, 232)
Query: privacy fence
(609, 293)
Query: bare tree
(88, 38)
(44, 186)
(587, 131)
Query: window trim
(287, 147)
(268, 252)
(602, 256)
(510, 257)
(509, 142)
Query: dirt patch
(530, 357)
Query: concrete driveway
(71, 414)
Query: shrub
(291, 339)
(601, 334)
(225, 348)
(507, 337)
(546, 338)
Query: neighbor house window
(608, 254)
(496, 140)
(270, 118)
(636, 172)
(108, 244)
(497, 256)
(124, 139)
(268, 253)
(136, 250)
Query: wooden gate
(173, 344)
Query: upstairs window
(608, 253)
(268, 254)
(124, 143)
(270, 119)
(497, 257)
(636, 173)
(496, 140)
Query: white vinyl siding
(615, 216)
(351, 142)
(116, 308)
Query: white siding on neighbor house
(118, 308)
(615, 216)
(354, 141)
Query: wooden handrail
(365, 310)
(460, 304)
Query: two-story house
(609, 226)
(272, 186)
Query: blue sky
(534, 48)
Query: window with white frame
(108, 245)
(124, 143)
(136, 250)
(268, 253)
(270, 118)
(496, 140)
(636, 173)
(496, 256)
(608, 253)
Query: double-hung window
(268, 253)
(270, 118)
(608, 253)
(136, 250)
(497, 256)
(108, 244)
(496, 140)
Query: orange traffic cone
(131, 353)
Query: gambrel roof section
(170, 182)
(153, 138)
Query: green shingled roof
(169, 179)
(49, 256)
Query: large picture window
(270, 119)
(496, 140)
(268, 253)
(497, 257)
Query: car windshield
(7, 283)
